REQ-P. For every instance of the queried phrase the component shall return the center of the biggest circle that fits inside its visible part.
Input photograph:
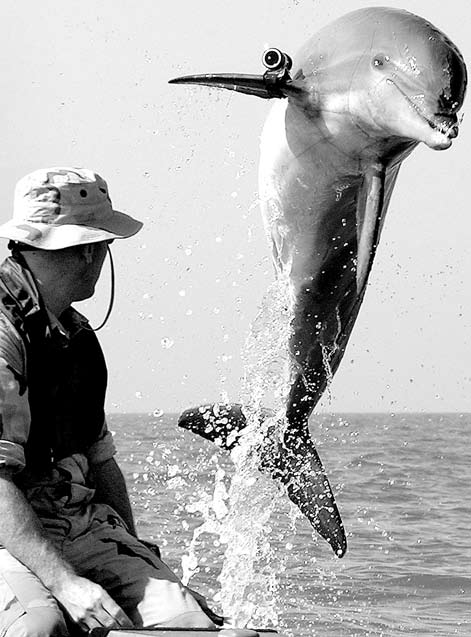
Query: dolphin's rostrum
(361, 95)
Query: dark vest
(65, 376)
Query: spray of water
(248, 578)
(240, 514)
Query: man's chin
(84, 295)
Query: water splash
(240, 514)
(328, 352)
(247, 579)
(213, 510)
(249, 575)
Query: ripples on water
(402, 484)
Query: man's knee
(39, 622)
(192, 619)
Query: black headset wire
(112, 293)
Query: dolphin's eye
(380, 60)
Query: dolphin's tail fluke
(296, 465)
(302, 473)
(219, 423)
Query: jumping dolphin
(361, 95)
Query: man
(69, 554)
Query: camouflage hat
(56, 208)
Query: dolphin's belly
(309, 209)
(313, 198)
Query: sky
(84, 83)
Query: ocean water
(402, 484)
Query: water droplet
(157, 413)
(167, 343)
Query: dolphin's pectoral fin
(369, 220)
(300, 470)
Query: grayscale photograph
(235, 319)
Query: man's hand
(89, 605)
(22, 534)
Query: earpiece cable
(110, 306)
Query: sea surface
(402, 484)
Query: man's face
(91, 257)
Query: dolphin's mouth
(445, 123)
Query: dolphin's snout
(446, 124)
(453, 131)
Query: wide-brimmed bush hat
(57, 208)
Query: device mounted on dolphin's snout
(278, 65)
(276, 82)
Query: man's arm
(21, 533)
(111, 489)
